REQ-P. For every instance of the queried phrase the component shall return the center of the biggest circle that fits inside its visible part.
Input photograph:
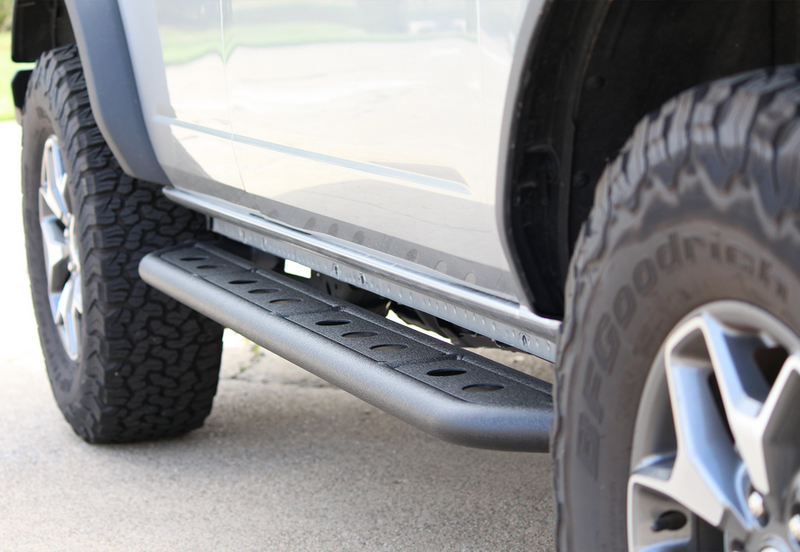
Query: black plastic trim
(450, 393)
(541, 131)
(511, 115)
(592, 71)
(19, 85)
(112, 86)
(33, 29)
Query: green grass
(181, 46)
(7, 70)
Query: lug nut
(755, 502)
(794, 527)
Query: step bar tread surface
(446, 391)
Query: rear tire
(126, 363)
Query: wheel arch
(41, 25)
(586, 74)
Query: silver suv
(611, 186)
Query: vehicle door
(176, 48)
(376, 124)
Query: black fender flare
(96, 26)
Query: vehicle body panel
(375, 123)
(176, 50)
(380, 127)
(379, 137)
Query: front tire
(125, 362)
(700, 209)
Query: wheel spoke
(743, 390)
(53, 190)
(64, 303)
(759, 417)
(778, 417)
(77, 294)
(704, 475)
(55, 299)
(56, 253)
(68, 317)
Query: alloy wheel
(62, 261)
(716, 450)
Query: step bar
(450, 393)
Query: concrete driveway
(284, 462)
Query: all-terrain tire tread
(151, 364)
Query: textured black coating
(375, 359)
(111, 85)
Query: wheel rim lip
(61, 256)
(647, 448)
